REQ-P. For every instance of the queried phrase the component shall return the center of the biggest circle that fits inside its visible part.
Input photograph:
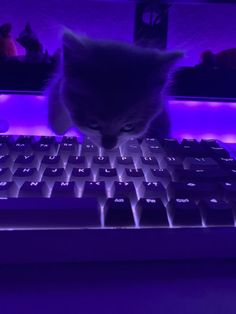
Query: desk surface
(140, 288)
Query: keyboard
(62, 200)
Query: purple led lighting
(27, 114)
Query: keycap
(171, 163)
(8, 189)
(135, 175)
(25, 139)
(51, 175)
(153, 150)
(95, 189)
(43, 149)
(201, 175)
(149, 141)
(199, 163)
(6, 161)
(100, 162)
(47, 140)
(216, 212)
(193, 190)
(121, 163)
(26, 174)
(49, 213)
(190, 142)
(21, 149)
(76, 162)
(124, 189)
(26, 161)
(209, 143)
(184, 212)
(34, 189)
(89, 149)
(161, 175)
(80, 175)
(218, 152)
(111, 153)
(151, 212)
(5, 174)
(153, 190)
(7, 139)
(170, 145)
(192, 151)
(51, 162)
(4, 149)
(145, 163)
(65, 189)
(229, 190)
(67, 149)
(118, 212)
(109, 175)
(227, 163)
(69, 140)
(131, 148)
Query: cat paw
(59, 126)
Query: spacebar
(49, 213)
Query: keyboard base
(88, 245)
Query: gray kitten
(111, 91)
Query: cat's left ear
(167, 60)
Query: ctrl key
(52, 213)
(118, 212)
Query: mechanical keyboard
(62, 200)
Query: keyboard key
(111, 153)
(67, 149)
(160, 175)
(6, 161)
(21, 149)
(51, 162)
(171, 163)
(199, 163)
(170, 145)
(149, 141)
(49, 213)
(146, 163)
(5, 174)
(229, 190)
(201, 175)
(69, 140)
(151, 212)
(192, 151)
(108, 175)
(4, 149)
(89, 149)
(26, 174)
(209, 143)
(51, 175)
(184, 212)
(7, 139)
(216, 212)
(121, 163)
(8, 189)
(47, 140)
(227, 163)
(80, 175)
(193, 190)
(190, 142)
(76, 162)
(95, 189)
(26, 161)
(100, 162)
(43, 149)
(34, 189)
(118, 212)
(153, 150)
(153, 190)
(135, 175)
(65, 189)
(124, 189)
(25, 139)
(218, 152)
(131, 148)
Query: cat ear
(167, 60)
(74, 49)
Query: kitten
(111, 91)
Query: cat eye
(93, 125)
(128, 127)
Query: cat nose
(109, 141)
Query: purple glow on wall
(192, 28)
(27, 114)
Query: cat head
(28, 39)
(112, 90)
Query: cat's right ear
(74, 51)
